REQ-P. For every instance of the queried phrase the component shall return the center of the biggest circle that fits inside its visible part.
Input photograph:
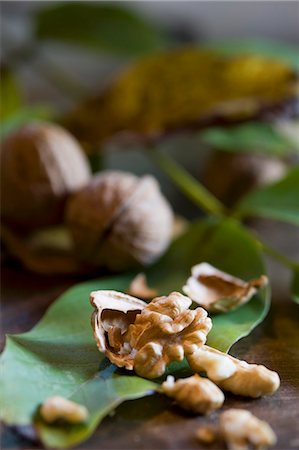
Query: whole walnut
(230, 176)
(119, 220)
(41, 164)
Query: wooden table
(155, 423)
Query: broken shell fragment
(60, 408)
(195, 393)
(217, 291)
(139, 288)
(114, 311)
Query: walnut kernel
(195, 393)
(241, 429)
(206, 434)
(147, 338)
(60, 408)
(232, 374)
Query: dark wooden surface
(155, 423)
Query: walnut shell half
(218, 291)
(114, 312)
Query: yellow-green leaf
(11, 95)
(186, 88)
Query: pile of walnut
(113, 219)
(146, 338)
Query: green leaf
(13, 113)
(106, 27)
(295, 286)
(55, 357)
(279, 201)
(22, 116)
(59, 355)
(11, 96)
(264, 47)
(290, 131)
(250, 137)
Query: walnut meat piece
(231, 374)
(119, 221)
(240, 429)
(139, 288)
(60, 408)
(147, 338)
(217, 291)
(206, 434)
(165, 331)
(195, 393)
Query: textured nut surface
(195, 393)
(120, 220)
(144, 337)
(218, 291)
(41, 164)
(206, 434)
(139, 288)
(60, 408)
(218, 366)
(241, 430)
(165, 331)
(233, 375)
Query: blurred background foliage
(69, 52)
(121, 33)
(59, 58)
(109, 28)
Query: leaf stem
(192, 188)
(206, 201)
(284, 260)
